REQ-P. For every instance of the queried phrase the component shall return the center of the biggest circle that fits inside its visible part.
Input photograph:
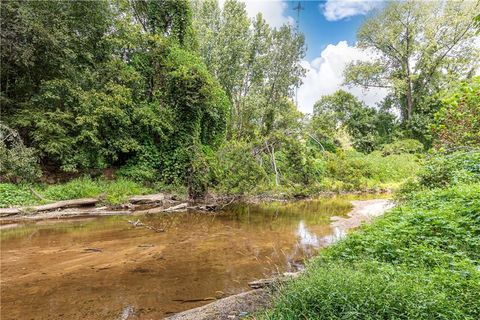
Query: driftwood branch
(50, 206)
(179, 207)
(139, 223)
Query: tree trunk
(277, 179)
(274, 163)
(408, 78)
(409, 101)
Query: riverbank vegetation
(200, 98)
(419, 261)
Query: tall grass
(420, 261)
(111, 191)
(352, 170)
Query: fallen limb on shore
(179, 207)
(149, 198)
(66, 213)
(50, 206)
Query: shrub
(457, 123)
(296, 164)
(352, 171)
(402, 146)
(444, 170)
(239, 171)
(17, 162)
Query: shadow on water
(105, 268)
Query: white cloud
(325, 76)
(334, 10)
(273, 11)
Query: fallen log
(67, 213)
(149, 198)
(67, 204)
(179, 207)
(51, 206)
(5, 212)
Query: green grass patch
(111, 191)
(356, 171)
(12, 194)
(420, 261)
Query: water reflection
(336, 235)
(306, 238)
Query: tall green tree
(419, 46)
(172, 18)
(258, 66)
(368, 127)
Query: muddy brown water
(105, 268)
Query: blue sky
(318, 31)
(330, 28)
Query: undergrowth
(110, 191)
(343, 171)
(419, 261)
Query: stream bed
(106, 268)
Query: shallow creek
(106, 268)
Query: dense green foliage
(445, 170)
(16, 160)
(354, 171)
(457, 122)
(419, 261)
(191, 94)
(402, 146)
(368, 128)
(103, 92)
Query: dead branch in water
(139, 223)
(194, 300)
